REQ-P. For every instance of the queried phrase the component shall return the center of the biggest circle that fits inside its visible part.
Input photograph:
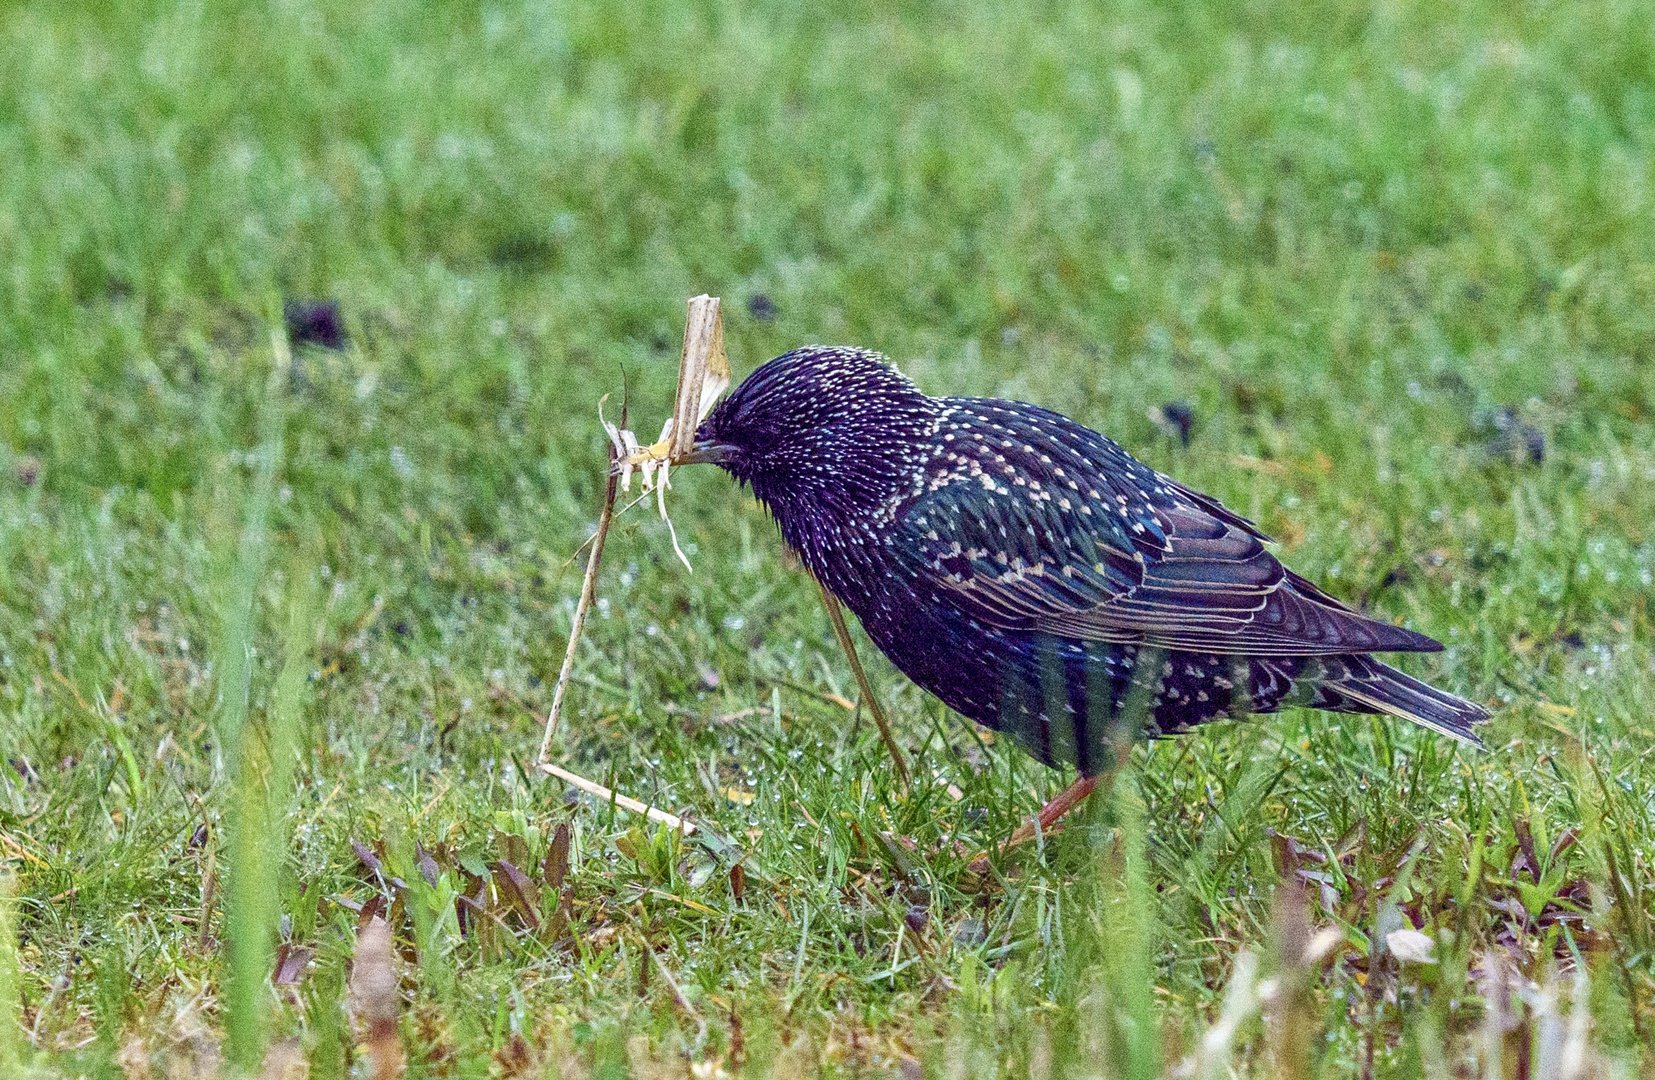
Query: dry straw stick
(588, 589)
(625, 802)
(703, 373)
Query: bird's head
(819, 430)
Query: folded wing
(1053, 528)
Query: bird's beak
(708, 452)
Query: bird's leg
(1050, 814)
(1054, 811)
(842, 631)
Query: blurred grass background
(1395, 258)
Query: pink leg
(1050, 814)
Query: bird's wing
(1218, 589)
(1053, 528)
(1011, 557)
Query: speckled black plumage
(1035, 576)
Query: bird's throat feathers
(833, 502)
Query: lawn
(280, 613)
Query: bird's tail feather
(1383, 689)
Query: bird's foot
(1050, 814)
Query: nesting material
(625, 802)
(703, 376)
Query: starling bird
(1035, 576)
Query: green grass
(252, 612)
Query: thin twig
(625, 802)
(831, 602)
(588, 589)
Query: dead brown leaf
(376, 999)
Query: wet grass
(1396, 262)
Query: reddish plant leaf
(428, 868)
(292, 961)
(1565, 840)
(515, 1058)
(1284, 852)
(555, 866)
(365, 855)
(471, 904)
(1525, 858)
(373, 909)
(516, 887)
